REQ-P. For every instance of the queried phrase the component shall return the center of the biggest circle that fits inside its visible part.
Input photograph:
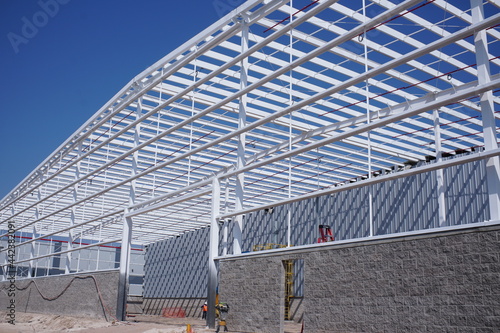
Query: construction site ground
(45, 323)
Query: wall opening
(289, 265)
(293, 287)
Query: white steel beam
(311, 55)
(397, 113)
(171, 202)
(72, 250)
(375, 180)
(396, 62)
(207, 131)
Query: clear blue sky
(79, 54)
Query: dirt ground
(44, 323)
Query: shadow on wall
(177, 267)
(296, 309)
(467, 192)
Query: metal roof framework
(276, 102)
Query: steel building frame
(278, 101)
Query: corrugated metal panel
(467, 193)
(176, 267)
(405, 204)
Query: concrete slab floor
(46, 323)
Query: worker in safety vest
(205, 309)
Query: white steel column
(213, 252)
(121, 306)
(32, 271)
(193, 95)
(67, 268)
(240, 178)
(368, 137)
(17, 248)
(225, 223)
(73, 212)
(123, 283)
(290, 101)
(135, 155)
(439, 172)
(489, 127)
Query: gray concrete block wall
(252, 290)
(446, 281)
(74, 294)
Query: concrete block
(87, 295)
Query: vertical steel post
(135, 155)
(32, 271)
(439, 173)
(213, 252)
(121, 308)
(290, 101)
(225, 224)
(240, 178)
(73, 212)
(123, 283)
(193, 95)
(487, 110)
(368, 136)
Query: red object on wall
(326, 234)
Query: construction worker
(205, 309)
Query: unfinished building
(332, 162)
